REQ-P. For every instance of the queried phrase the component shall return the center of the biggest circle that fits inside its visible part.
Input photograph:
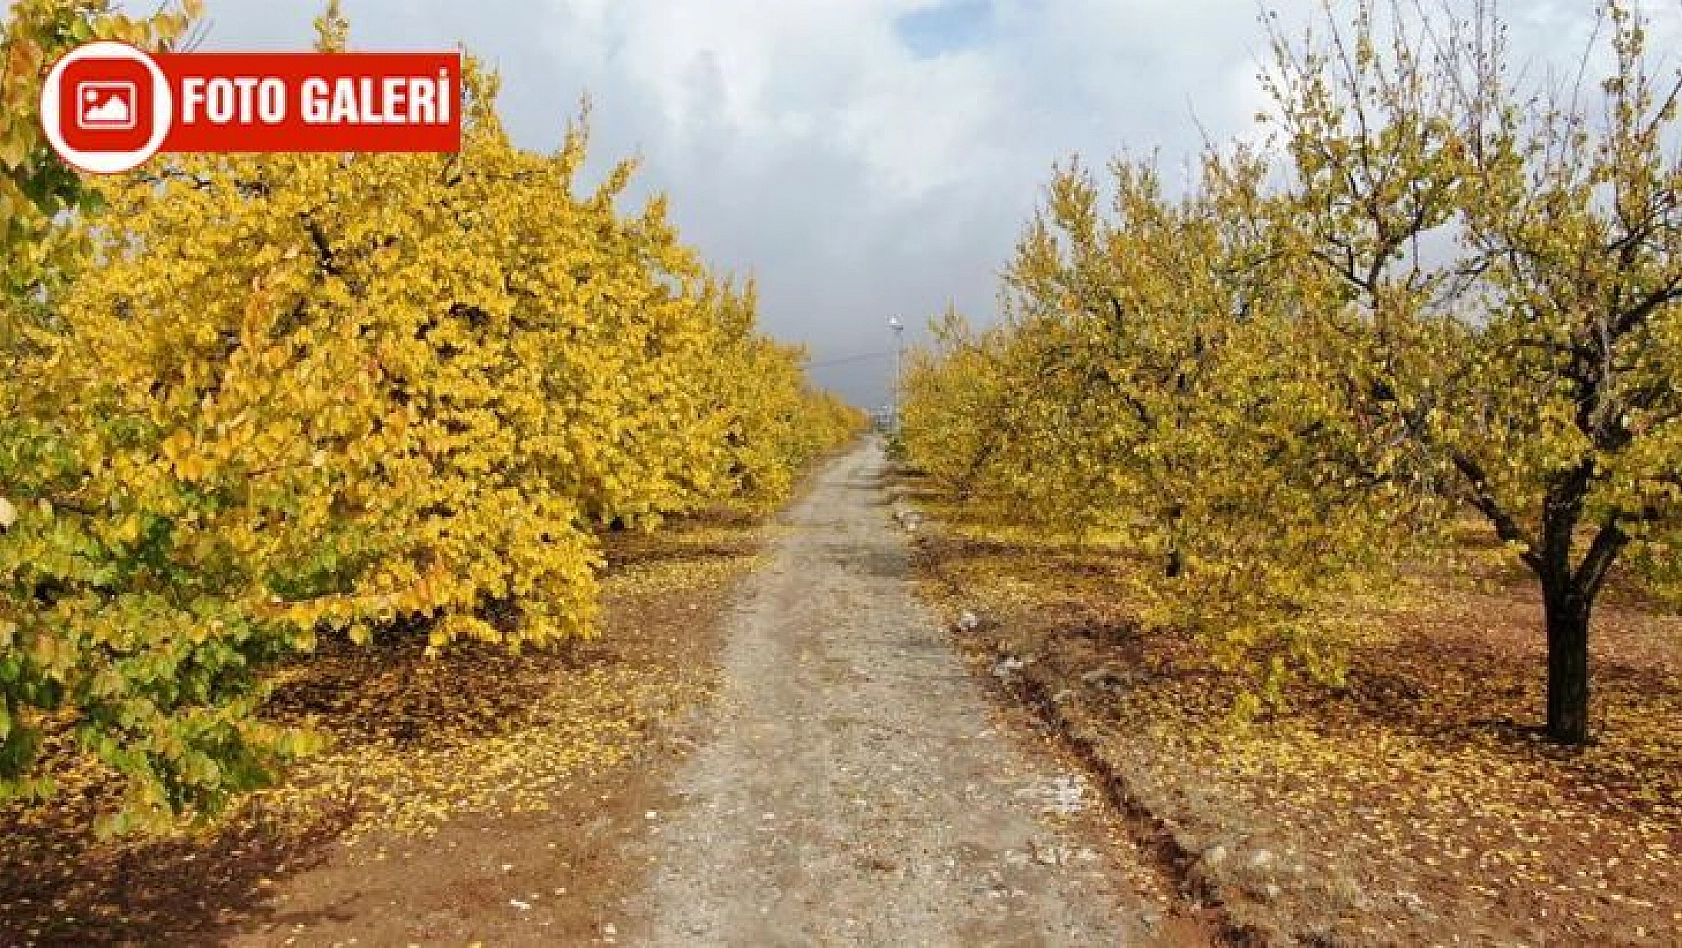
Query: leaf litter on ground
(413, 743)
(1414, 804)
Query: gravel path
(856, 791)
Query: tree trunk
(1175, 566)
(1568, 662)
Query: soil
(857, 789)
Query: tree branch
(1483, 498)
(1591, 574)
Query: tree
(1156, 380)
(1538, 365)
(40, 254)
(1580, 221)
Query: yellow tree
(952, 395)
(1565, 416)
(1537, 365)
(762, 419)
(1155, 379)
(302, 395)
(38, 254)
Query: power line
(862, 357)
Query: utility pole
(898, 327)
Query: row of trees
(255, 400)
(1427, 292)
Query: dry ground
(1415, 806)
(857, 790)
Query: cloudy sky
(863, 158)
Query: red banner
(107, 107)
(314, 101)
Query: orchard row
(1421, 292)
(251, 401)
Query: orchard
(408, 536)
(253, 401)
(1430, 292)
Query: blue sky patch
(951, 26)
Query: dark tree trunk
(1567, 611)
(1176, 560)
(1175, 565)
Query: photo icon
(106, 106)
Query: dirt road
(856, 791)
